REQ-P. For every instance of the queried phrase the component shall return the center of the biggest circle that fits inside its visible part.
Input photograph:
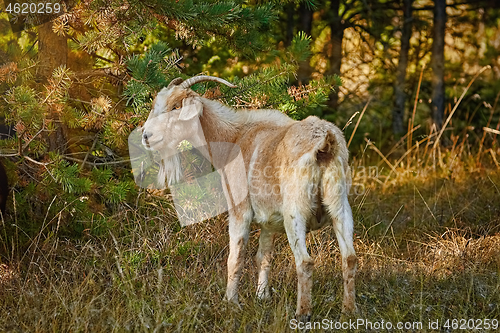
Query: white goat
(296, 175)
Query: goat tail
(335, 181)
(335, 186)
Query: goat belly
(273, 222)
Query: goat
(295, 178)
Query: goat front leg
(295, 227)
(263, 258)
(239, 229)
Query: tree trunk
(290, 23)
(305, 14)
(399, 92)
(305, 25)
(437, 62)
(337, 35)
(52, 53)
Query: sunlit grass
(437, 257)
(427, 226)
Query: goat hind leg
(295, 227)
(263, 258)
(343, 226)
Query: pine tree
(119, 56)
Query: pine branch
(72, 159)
(104, 72)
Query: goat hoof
(304, 318)
(264, 296)
(350, 314)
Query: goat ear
(191, 108)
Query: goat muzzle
(145, 138)
(146, 135)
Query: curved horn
(175, 82)
(201, 78)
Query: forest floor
(428, 245)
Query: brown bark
(305, 15)
(399, 92)
(52, 53)
(290, 24)
(305, 25)
(437, 62)
(337, 36)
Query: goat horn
(201, 78)
(175, 82)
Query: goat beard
(170, 169)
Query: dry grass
(427, 236)
(429, 248)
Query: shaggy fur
(297, 174)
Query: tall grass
(427, 236)
(428, 249)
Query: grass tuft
(427, 224)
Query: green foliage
(102, 175)
(68, 176)
(24, 105)
(60, 82)
(122, 55)
(241, 27)
(116, 192)
(73, 117)
(270, 87)
(299, 50)
(95, 40)
(234, 24)
(267, 87)
(75, 218)
(150, 67)
(149, 73)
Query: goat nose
(146, 135)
